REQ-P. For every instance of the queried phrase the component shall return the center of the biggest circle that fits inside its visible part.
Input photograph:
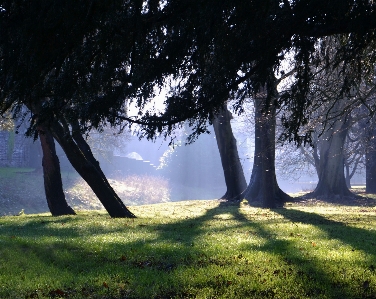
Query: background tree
(336, 108)
(370, 157)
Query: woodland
(67, 68)
(70, 69)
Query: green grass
(192, 249)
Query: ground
(193, 249)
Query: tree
(96, 57)
(367, 140)
(305, 160)
(47, 102)
(51, 167)
(232, 168)
(335, 106)
(52, 37)
(257, 37)
(370, 157)
(331, 167)
(263, 186)
(353, 154)
(52, 176)
(80, 156)
(114, 42)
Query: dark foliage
(84, 59)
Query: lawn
(192, 249)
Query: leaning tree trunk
(53, 185)
(332, 180)
(371, 163)
(263, 186)
(80, 156)
(232, 168)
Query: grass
(192, 249)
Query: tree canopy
(83, 60)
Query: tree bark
(347, 176)
(80, 156)
(53, 185)
(232, 168)
(263, 187)
(371, 163)
(332, 180)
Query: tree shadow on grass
(152, 264)
(304, 266)
(143, 262)
(357, 238)
(355, 200)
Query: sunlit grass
(192, 249)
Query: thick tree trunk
(332, 180)
(79, 155)
(371, 163)
(263, 187)
(53, 185)
(232, 168)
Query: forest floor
(193, 249)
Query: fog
(140, 171)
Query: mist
(140, 171)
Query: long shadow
(197, 225)
(306, 268)
(365, 239)
(128, 258)
(303, 268)
(357, 199)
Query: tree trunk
(263, 187)
(232, 168)
(332, 180)
(79, 155)
(347, 175)
(371, 163)
(53, 185)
